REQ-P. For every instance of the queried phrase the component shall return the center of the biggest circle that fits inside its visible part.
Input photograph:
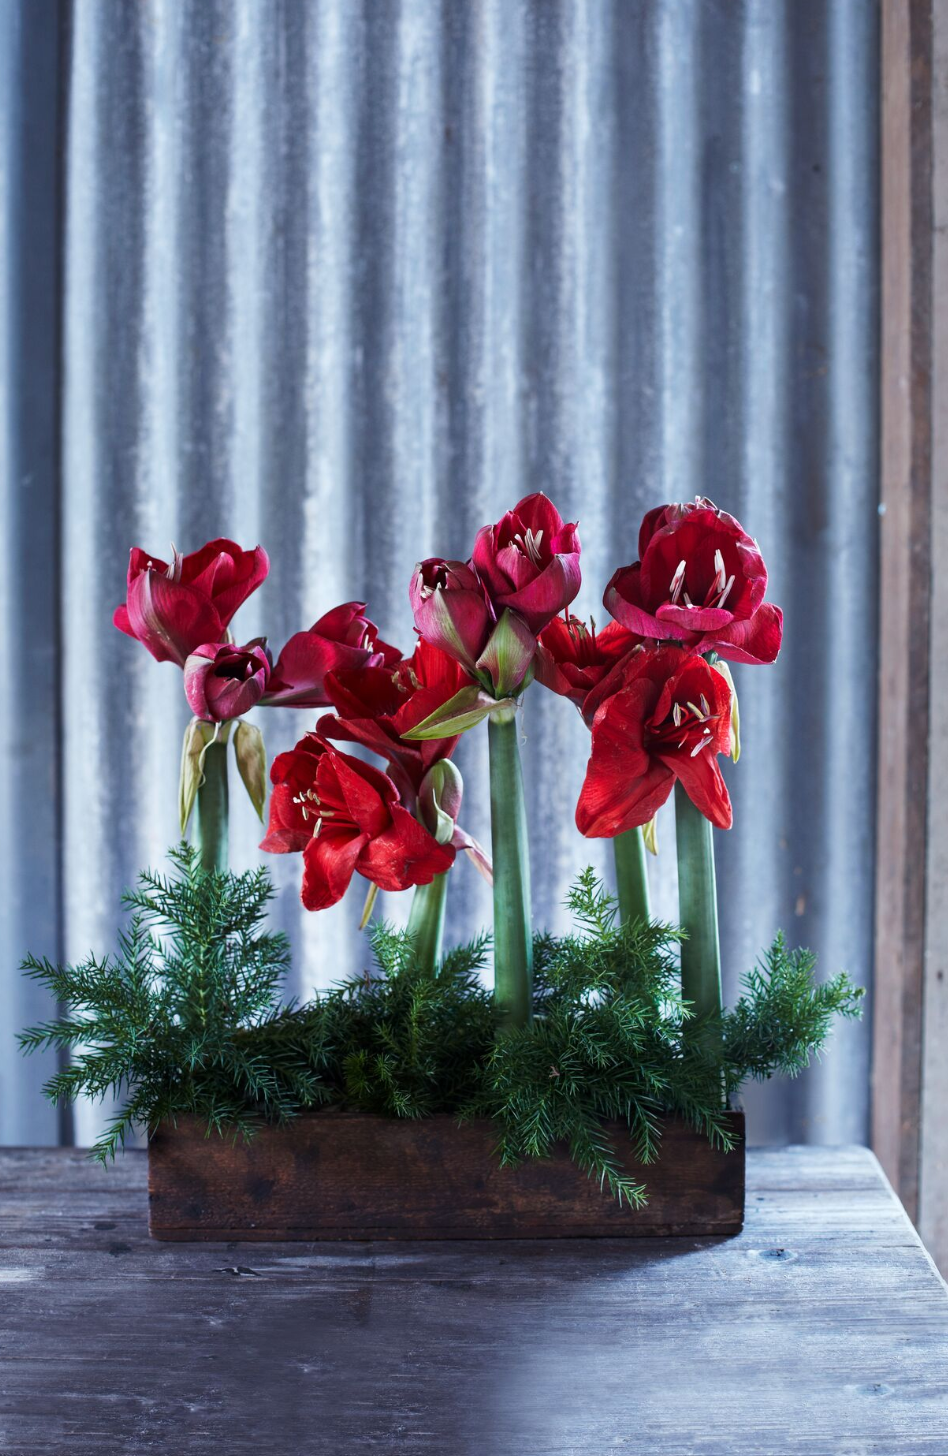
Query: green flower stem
(631, 875)
(513, 931)
(210, 825)
(426, 921)
(697, 907)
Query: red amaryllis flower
(700, 580)
(572, 658)
(669, 720)
(173, 609)
(529, 561)
(345, 816)
(343, 640)
(222, 681)
(451, 610)
(375, 706)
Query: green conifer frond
(186, 1019)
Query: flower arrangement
(609, 1022)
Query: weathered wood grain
(821, 1328)
(339, 1175)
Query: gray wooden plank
(822, 1328)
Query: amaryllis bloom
(343, 640)
(668, 720)
(222, 681)
(375, 706)
(173, 609)
(529, 561)
(345, 817)
(700, 580)
(572, 658)
(451, 610)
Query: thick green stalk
(426, 921)
(513, 931)
(631, 876)
(210, 826)
(697, 907)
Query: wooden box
(351, 1175)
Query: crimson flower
(376, 705)
(529, 561)
(345, 816)
(701, 580)
(451, 610)
(573, 659)
(668, 720)
(173, 609)
(222, 681)
(342, 640)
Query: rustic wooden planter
(349, 1175)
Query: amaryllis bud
(439, 804)
(450, 609)
(529, 561)
(722, 667)
(343, 640)
(509, 654)
(439, 800)
(222, 681)
(172, 609)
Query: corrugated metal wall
(348, 279)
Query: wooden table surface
(823, 1328)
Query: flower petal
(756, 641)
(329, 862)
(170, 618)
(702, 781)
(406, 854)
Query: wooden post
(910, 1050)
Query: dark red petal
(120, 620)
(755, 641)
(338, 623)
(538, 513)
(406, 854)
(287, 832)
(169, 618)
(701, 779)
(329, 862)
(368, 793)
(546, 594)
(608, 804)
(623, 786)
(622, 599)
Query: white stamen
(703, 744)
(529, 544)
(677, 582)
(727, 590)
(720, 575)
(677, 715)
(705, 706)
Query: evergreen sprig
(783, 1019)
(184, 1018)
(187, 1018)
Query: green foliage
(783, 1018)
(183, 1018)
(186, 1018)
(403, 1042)
(606, 1044)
